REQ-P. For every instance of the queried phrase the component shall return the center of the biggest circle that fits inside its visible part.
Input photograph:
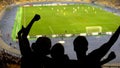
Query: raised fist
(36, 17)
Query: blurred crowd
(112, 3)
(8, 61)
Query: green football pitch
(65, 19)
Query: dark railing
(111, 66)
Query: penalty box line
(51, 29)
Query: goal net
(93, 29)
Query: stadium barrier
(44, 4)
(83, 34)
(72, 35)
(109, 33)
(62, 42)
(9, 49)
(111, 67)
(116, 65)
(68, 35)
(54, 36)
(95, 33)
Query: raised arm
(23, 43)
(22, 37)
(114, 37)
(27, 29)
(103, 50)
(105, 47)
(110, 57)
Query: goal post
(93, 29)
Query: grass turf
(71, 19)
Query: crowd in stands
(110, 3)
(8, 61)
(113, 3)
(4, 3)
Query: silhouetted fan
(94, 58)
(60, 60)
(35, 57)
(42, 45)
(80, 47)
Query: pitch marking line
(51, 29)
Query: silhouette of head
(57, 51)
(42, 45)
(80, 44)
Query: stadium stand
(8, 61)
(110, 3)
